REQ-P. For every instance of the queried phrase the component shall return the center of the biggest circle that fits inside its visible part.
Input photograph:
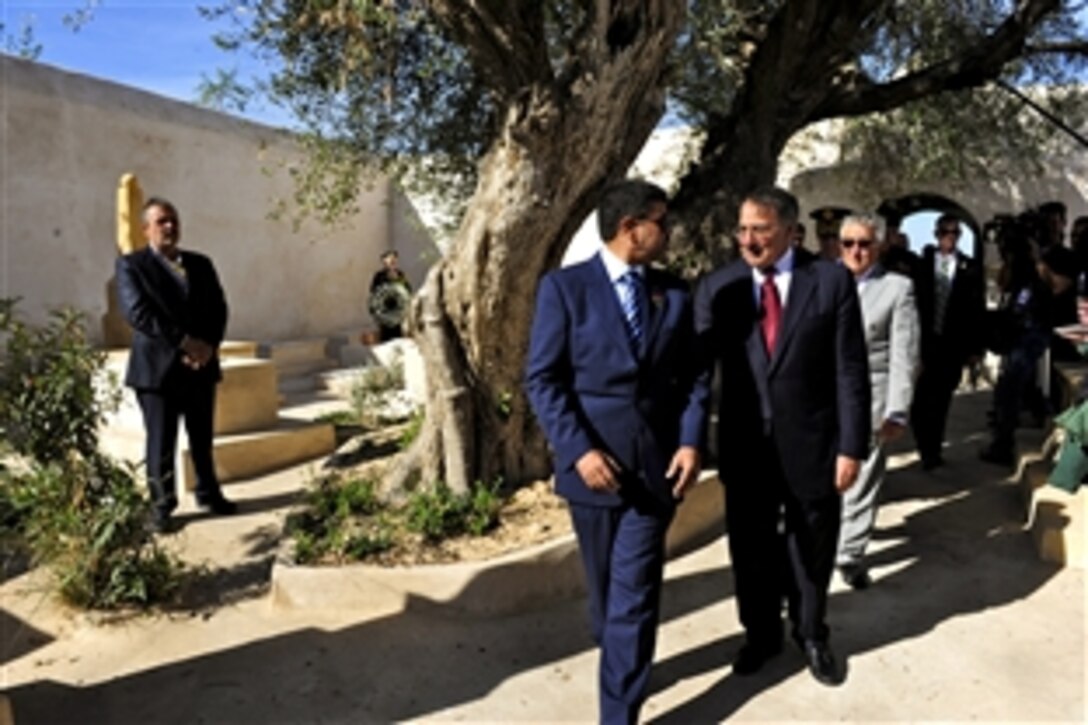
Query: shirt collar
(616, 267)
(783, 266)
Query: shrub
(67, 505)
(439, 513)
(334, 523)
(50, 405)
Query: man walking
(951, 309)
(613, 378)
(890, 320)
(173, 300)
(785, 329)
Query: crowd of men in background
(1042, 272)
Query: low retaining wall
(518, 581)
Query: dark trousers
(1016, 381)
(195, 401)
(623, 551)
(782, 549)
(932, 398)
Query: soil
(530, 515)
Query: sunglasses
(849, 243)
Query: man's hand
(890, 430)
(197, 353)
(599, 471)
(846, 472)
(684, 468)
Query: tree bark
(561, 144)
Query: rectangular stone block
(247, 398)
(1058, 521)
(253, 454)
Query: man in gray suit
(892, 335)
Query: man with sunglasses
(890, 319)
(951, 308)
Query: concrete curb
(527, 579)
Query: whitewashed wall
(67, 139)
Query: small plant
(334, 523)
(412, 430)
(371, 389)
(340, 418)
(439, 513)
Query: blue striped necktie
(634, 303)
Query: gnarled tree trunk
(562, 141)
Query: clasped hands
(195, 352)
(601, 472)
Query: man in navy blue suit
(175, 304)
(614, 380)
(793, 424)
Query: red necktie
(772, 311)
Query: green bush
(439, 513)
(50, 405)
(334, 522)
(65, 504)
(412, 430)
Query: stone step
(246, 399)
(253, 454)
(295, 353)
(239, 348)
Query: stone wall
(66, 139)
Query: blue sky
(158, 45)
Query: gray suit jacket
(892, 337)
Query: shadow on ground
(963, 554)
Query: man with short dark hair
(793, 424)
(951, 309)
(175, 304)
(614, 379)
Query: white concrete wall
(66, 141)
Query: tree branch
(973, 67)
(1072, 47)
(504, 40)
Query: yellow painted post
(130, 230)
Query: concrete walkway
(963, 623)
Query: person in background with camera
(1018, 331)
(390, 293)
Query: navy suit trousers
(195, 402)
(623, 550)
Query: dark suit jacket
(590, 389)
(812, 398)
(964, 324)
(162, 310)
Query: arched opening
(916, 214)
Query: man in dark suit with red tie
(793, 424)
(175, 304)
(613, 378)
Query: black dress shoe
(161, 523)
(856, 576)
(219, 505)
(931, 462)
(753, 656)
(822, 664)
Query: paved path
(962, 623)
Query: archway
(924, 208)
